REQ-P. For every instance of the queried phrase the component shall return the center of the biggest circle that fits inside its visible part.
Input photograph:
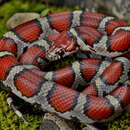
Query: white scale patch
(117, 108)
(46, 28)
(20, 44)
(10, 81)
(102, 67)
(102, 87)
(82, 45)
(76, 18)
(42, 43)
(78, 111)
(78, 78)
(48, 75)
(126, 68)
(108, 88)
(99, 84)
(42, 96)
(101, 48)
(4, 53)
(121, 28)
(115, 103)
(103, 23)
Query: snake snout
(54, 53)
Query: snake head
(63, 46)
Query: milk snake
(27, 47)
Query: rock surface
(52, 122)
(20, 18)
(118, 8)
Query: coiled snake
(106, 92)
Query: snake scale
(29, 46)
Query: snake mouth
(55, 54)
(58, 53)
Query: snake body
(31, 45)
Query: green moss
(122, 122)
(8, 120)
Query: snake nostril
(39, 60)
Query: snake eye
(41, 61)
